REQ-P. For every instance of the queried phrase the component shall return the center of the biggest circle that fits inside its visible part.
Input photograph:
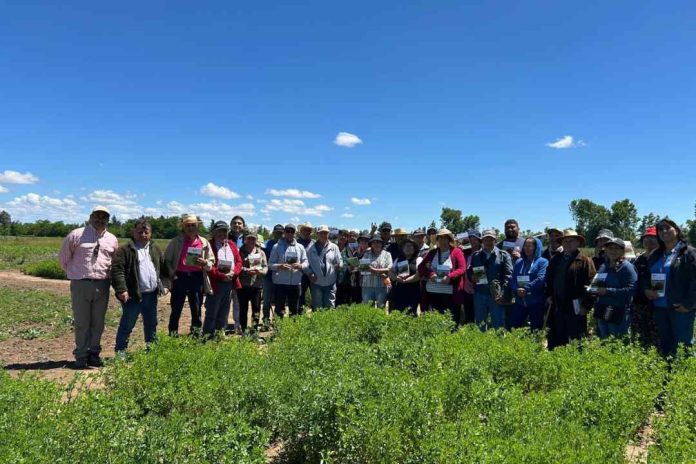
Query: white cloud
(220, 210)
(249, 197)
(296, 207)
(3, 189)
(566, 142)
(217, 191)
(347, 215)
(346, 139)
(33, 206)
(123, 206)
(361, 201)
(295, 219)
(14, 177)
(292, 193)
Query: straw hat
(323, 228)
(400, 231)
(189, 219)
(306, 225)
(445, 233)
(570, 233)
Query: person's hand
(651, 294)
(499, 300)
(446, 280)
(201, 262)
(296, 266)
(521, 292)
(681, 309)
(374, 270)
(229, 276)
(515, 253)
(549, 301)
(474, 279)
(285, 267)
(373, 228)
(313, 278)
(433, 277)
(601, 291)
(122, 297)
(165, 291)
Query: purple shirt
(86, 254)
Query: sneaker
(94, 360)
(81, 363)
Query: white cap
(100, 208)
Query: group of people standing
(475, 277)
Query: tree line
(621, 217)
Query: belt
(188, 273)
(93, 280)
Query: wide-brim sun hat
(445, 233)
(323, 228)
(189, 219)
(604, 233)
(306, 225)
(571, 233)
(400, 231)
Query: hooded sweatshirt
(535, 269)
(322, 261)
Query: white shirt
(147, 274)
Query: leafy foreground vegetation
(675, 432)
(352, 385)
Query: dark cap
(474, 233)
(432, 230)
(417, 232)
(278, 228)
(376, 238)
(616, 242)
(385, 225)
(220, 225)
(290, 226)
(364, 237)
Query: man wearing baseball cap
(554, 243)
(86, 258)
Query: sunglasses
(289, 231)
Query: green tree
(624, 219)
(451, 219)
(471, 221)
(649, 220)
(589, 217)
(5, 222)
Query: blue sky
(235, 107)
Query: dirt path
(52, 358)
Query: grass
(30, 314)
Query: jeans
(533, 311)
(291, 295)
(323, 296)
(674, 328)
(147, 306)
(267, 296)
(608, 329)
(248, 295)
(217, 308)
(186, 285)
(485, 306)
(375, 294)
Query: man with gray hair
(86, 258)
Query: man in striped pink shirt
(86, 258)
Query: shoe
(81, 363)
(122, 355)
(94, 360)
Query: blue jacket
(620, 284)
(536, 270)
(499, 268)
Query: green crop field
(358, 386)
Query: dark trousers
(520, 313)
(405, 297)
(217, 308)
(303, 292)
(289, 294)
(565, 326)
(468, 308)
(346, 294)
(424, 297)
(443, 302)
(147, 306)
(248, 295)
(186, 285)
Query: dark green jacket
(124, 269)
